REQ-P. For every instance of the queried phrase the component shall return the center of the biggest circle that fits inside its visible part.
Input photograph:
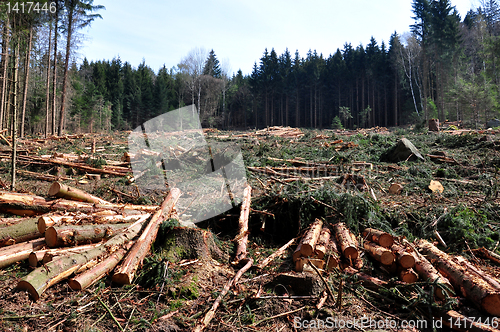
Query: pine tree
(212, 66)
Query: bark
(89, 277)
(242, 237)
(332, 256)
(381, 238)
(322, 244)
(18, 252)
(54, 70)
(26, 80)
(60, 236)
(46, 255)
(474, 288)
(5, 62)
(297, 253)
(485, 253)
(408, 275)
(60, 190)
(481, 274)
(30, 205)
(43, 277)
(347, 241)
(45, 222)
(366, 280)
(310, 238)
(126, 271)
(275, 254)
(23, 231)
(428, 272)
(404, 258)
(47, 84)
(381, 254)
(14, 120)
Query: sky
(163, 32)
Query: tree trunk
(323, 242)
(47, 82)
(24, 231)
(5, 62)
(26, 80)
(60, 236)
(14, 120)
(69, 35)
(54, 70)
(382, 238)
(60, 190)
(428, 272)
(474, 288)
(18, 252)
(347, 241)
(381, 254)
(242, 237)
(45, 276)
(46, 255)
(310, 238)
(126, 271)
(89, 277)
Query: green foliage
(96, 162)
(336, 123)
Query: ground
(177, 286)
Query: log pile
(78, 235)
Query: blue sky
(163, 32)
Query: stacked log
(94, 234)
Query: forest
(446, 67)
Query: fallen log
(332, 256)
(43, 277)
(242, 237)
(275, 254)
(381, 254)
(19, 252)
(485, 253)
(459, 322)
(408, 275)
(46, 255)
(126, 271)
(72, 235)
(404, 258)
(474, 288)
(23, 231)
(310, 238)
(481, 274)
(347, 241)
(384, 239)
(44, 177)
(60, 190)
(428, 272)
(45, 222)
(89, 277)
(322, 244)
(30, 205)
(366, 280)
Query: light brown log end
(33, 259)
(51, 237)
(387, 258)
(491, 304)
(26, 286)
(74, 285)
(386, 240)
(409, 276)
(306, 250)
(55, 188)
(121, 279)
(351, 253)
(406, 261)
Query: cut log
(366, 280)
(18, 252)
(485, 253)
(126, 271)
(478, 272)
(474, 288)
(332, 256)
(60, 236)
(346, 240)
(297, 253)
(381, 238)
(45, 276)
(310, 238)
(60, 190)
(381, 254)
(45, 222)
(30, 205)
(459, 322)
(23, 231)
(242, 237)
(302, 263)
(405, 259)
(408, 275)
(322, 244)
(89, 277)
(46, 255)
(428, 272)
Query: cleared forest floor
(178, 284)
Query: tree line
(446, 67)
